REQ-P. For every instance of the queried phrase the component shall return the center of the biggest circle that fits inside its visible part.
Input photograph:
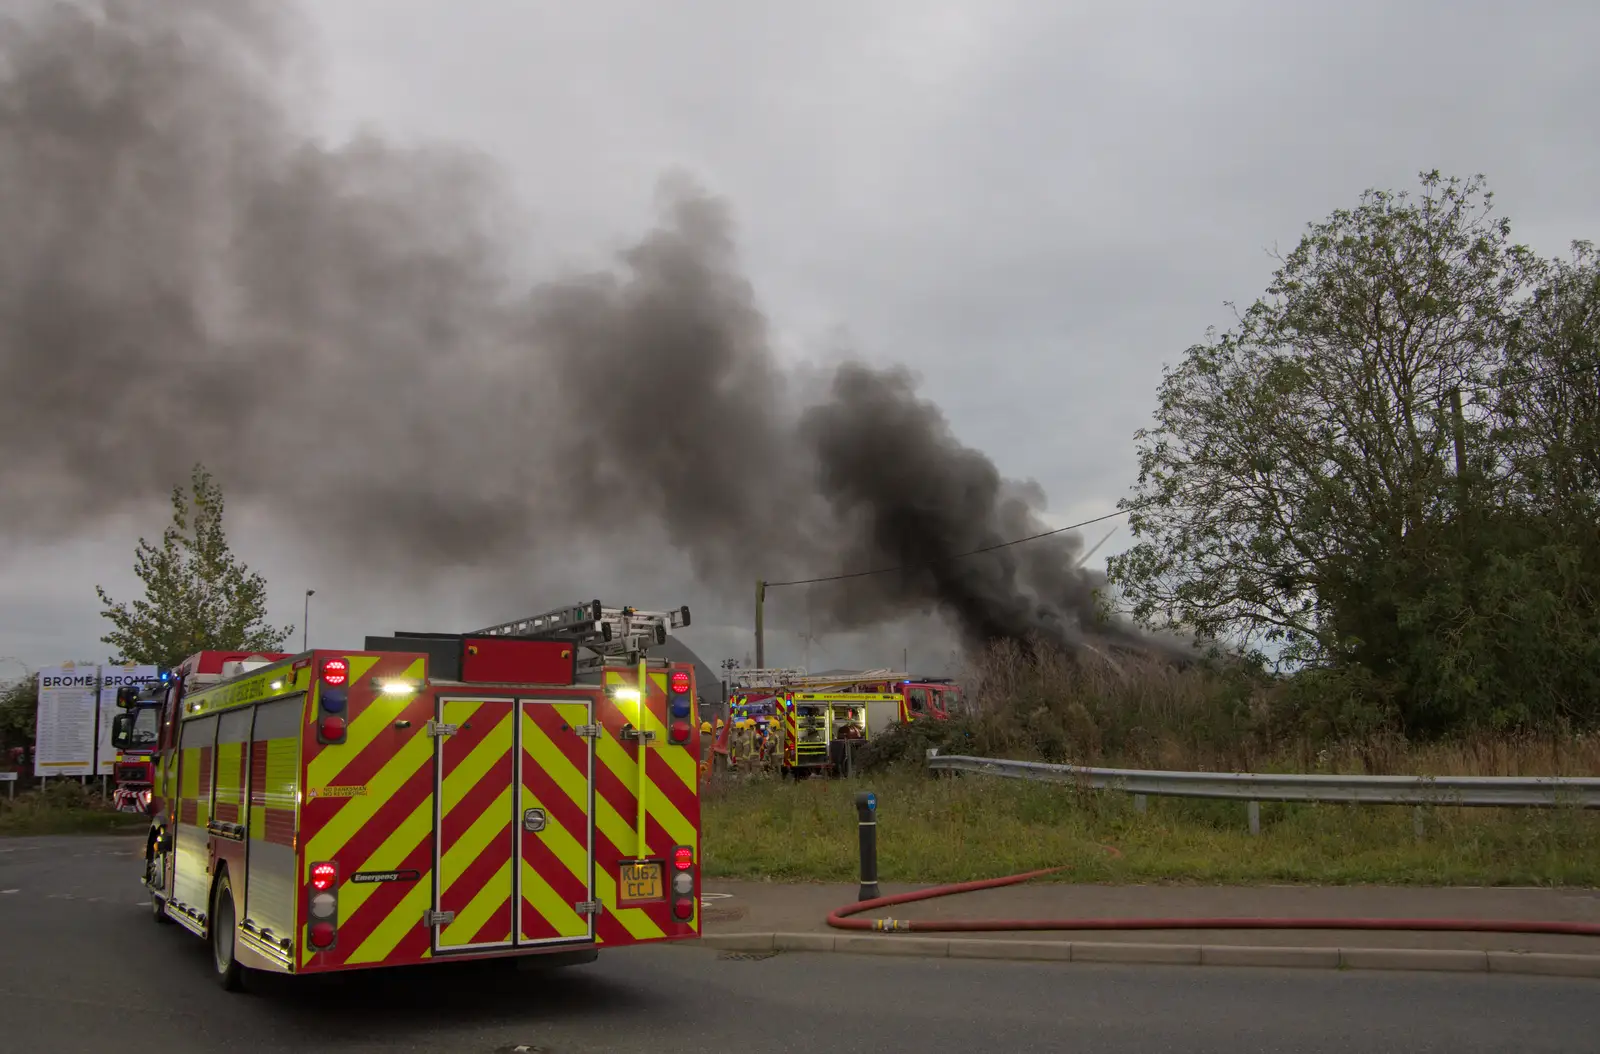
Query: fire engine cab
(524, 790)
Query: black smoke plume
(187, 274)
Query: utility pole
(761, 638)
(305, 622)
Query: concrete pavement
(749, 907)
(759, 915)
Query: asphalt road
(83, 968)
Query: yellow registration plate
(640, 883)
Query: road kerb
(1413, 959)
(742, 942)
(1551, 964)
(988, 948)
(1424, 959)
(803, 942)
(1129, 952)
(937, 947)
(1263, 955)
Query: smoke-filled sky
(477, 308)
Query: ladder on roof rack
(792, 677)
(610, 633)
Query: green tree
(197, 595)
(19, 708)
(1335, 477)
(1548, 405)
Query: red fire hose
(839, 920)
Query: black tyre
(158, 903)
(223, 931)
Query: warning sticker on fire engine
(347, 791)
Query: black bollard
(867, 819)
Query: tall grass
(1039, 704)
(952, 830)
(64, 806)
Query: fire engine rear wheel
(223, 932)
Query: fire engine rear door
(475, 763)
(555, 821)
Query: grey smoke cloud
(339, 333)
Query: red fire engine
(812, 709)
(529, 789)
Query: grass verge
(956, 829)
(66, 809)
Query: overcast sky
(1036, 205)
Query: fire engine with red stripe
(813, 712)
(528, 791)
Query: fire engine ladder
(612, 636)
(769, 677)
(609, 634)
(790, 677)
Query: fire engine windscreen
(188, 273)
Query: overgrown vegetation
(1388, 474)
(1038, 704)
(19, 708)
(64, 806)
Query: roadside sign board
(65, 730)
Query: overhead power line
(953, 556)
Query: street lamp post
(305, 622)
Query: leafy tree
(1340, 476)
(19, 707)
(1318, 435)
(1548, 405)
(197, 595)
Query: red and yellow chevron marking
(672, 804)
(388, 827)
(791, 733)
(476, 803)
(555, 860)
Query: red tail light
(679, 732)
(332, 729)
(683, 883)
(322, 904)
(335, 672)
(680, 680)
(322, 934)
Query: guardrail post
(1141, 802)
(867, 824)
(1418, 828)
(1255, 817)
